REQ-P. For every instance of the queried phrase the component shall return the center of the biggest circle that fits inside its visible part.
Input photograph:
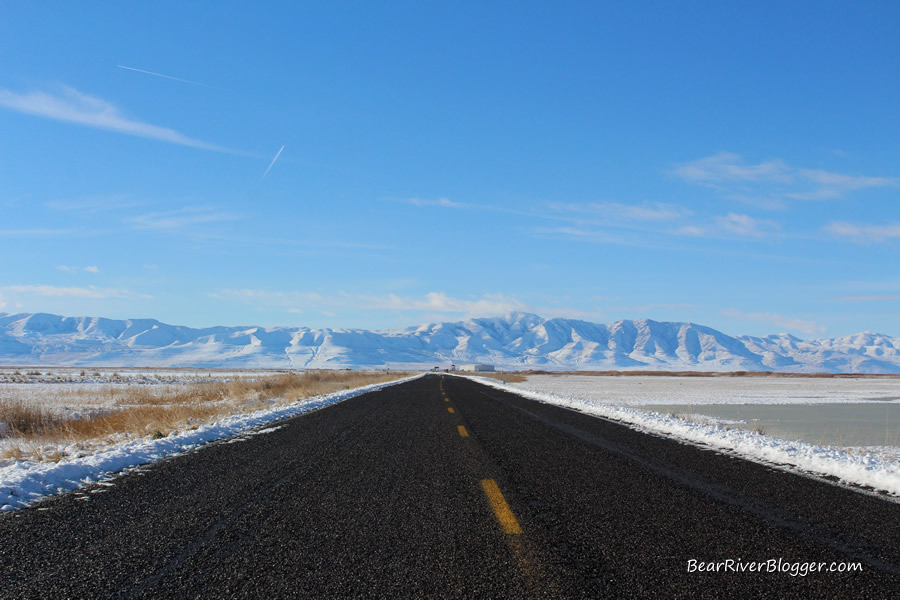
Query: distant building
(477, 368)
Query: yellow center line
(450, 410)
(446, 399)
(504, 514)
(462, 431)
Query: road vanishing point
(442, 487)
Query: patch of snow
(24, 482)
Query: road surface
(442, 487)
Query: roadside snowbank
(24, 482)
(871, 469)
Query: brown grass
(140, 411)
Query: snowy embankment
(867, 469)
(24, 482)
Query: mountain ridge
(514, 341)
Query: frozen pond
(858, 424)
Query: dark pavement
(442, 487)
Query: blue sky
(732, 164)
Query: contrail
(277, 154)
(166, 76)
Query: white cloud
(730, 167)
(38, 232)
(268, 295)
(789, 323)
(73, 106)
(744, 225)
(296, 301)
(179, 219)
(758, 183)
(93, 205)
(445, 202)
(872, 298)
(728, 226)
(73, 292)
(488, 304)
(631, 212)
(691, 231)
(584, 234)
(2, 302)
(70, 269)
(864, 233)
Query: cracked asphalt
(444, 488)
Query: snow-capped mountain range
(514, 341)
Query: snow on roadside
(872, 469)
(24, 482)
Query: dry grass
(19, 418)
(138, 411)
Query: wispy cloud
(871, 298)
(646, 308)
(691, 231)
(727, 167)
(768, 183)
(70, 269)
(166, 76)
(72, 106)
(289, 297)
(174, 220)
(864, 234)
(38, 232)
(486, 304)
(584, 234)
(269, 168)
(73, 292)
(93, 205)
(789, 323)
(444, 202)
(729, 226)
(744, 225)
(628, 212)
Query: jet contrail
(166, 76)
(277, 154)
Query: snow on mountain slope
(517, 340)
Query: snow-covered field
(621, 399)
(25, 481)
(106, 375)
(636, 390)
(75, 393)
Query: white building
(477, 368)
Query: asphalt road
(442, 487)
